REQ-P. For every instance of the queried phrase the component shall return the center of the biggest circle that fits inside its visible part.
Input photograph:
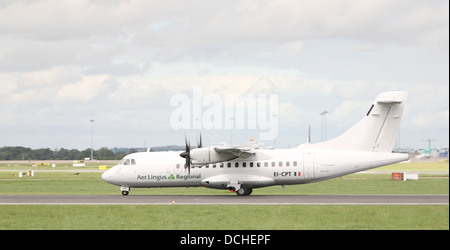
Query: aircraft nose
(107, 176)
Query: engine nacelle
(203, 156)
(218, 182)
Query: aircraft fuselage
(266, 168)
(367, 144)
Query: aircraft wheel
(125, 193)
(241, 192)
(244, 191)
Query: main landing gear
(244, 191)
(241, 190)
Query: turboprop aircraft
(366, 145)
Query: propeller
(187, 155)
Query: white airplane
(366, 145)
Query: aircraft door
(308, 163)
(178, 168)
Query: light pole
(92, 139)
(231, 130)
(324, 125)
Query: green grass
(416, 166)
(86, 183)
(216, 217)
(226, 217)
(66, 165)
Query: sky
(122, 63)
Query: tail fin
(376, 132)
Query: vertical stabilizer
(376, 132)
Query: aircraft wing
(243, 150)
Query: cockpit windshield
(127, 162)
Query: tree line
(22, 153)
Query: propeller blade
(188, 145)
(187, 155)
(200, 143)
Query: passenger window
(221, 165)
(295, 164)
(258, 164)
(273, 164)
(236, 164)
(280, 164)
(288, 163)
(266, 164)
(229, 164)
(251, 164)
(244, 164)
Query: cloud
(95, 34)
(8, 83)
(121, 61)
(430, 120)
(290, 115)
(348, 113)
(87, 89)
(49, 77)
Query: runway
(228, 200)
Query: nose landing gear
(125, 190)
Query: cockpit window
(127, 162)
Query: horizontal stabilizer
(391, 98)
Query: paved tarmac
(227, 200)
